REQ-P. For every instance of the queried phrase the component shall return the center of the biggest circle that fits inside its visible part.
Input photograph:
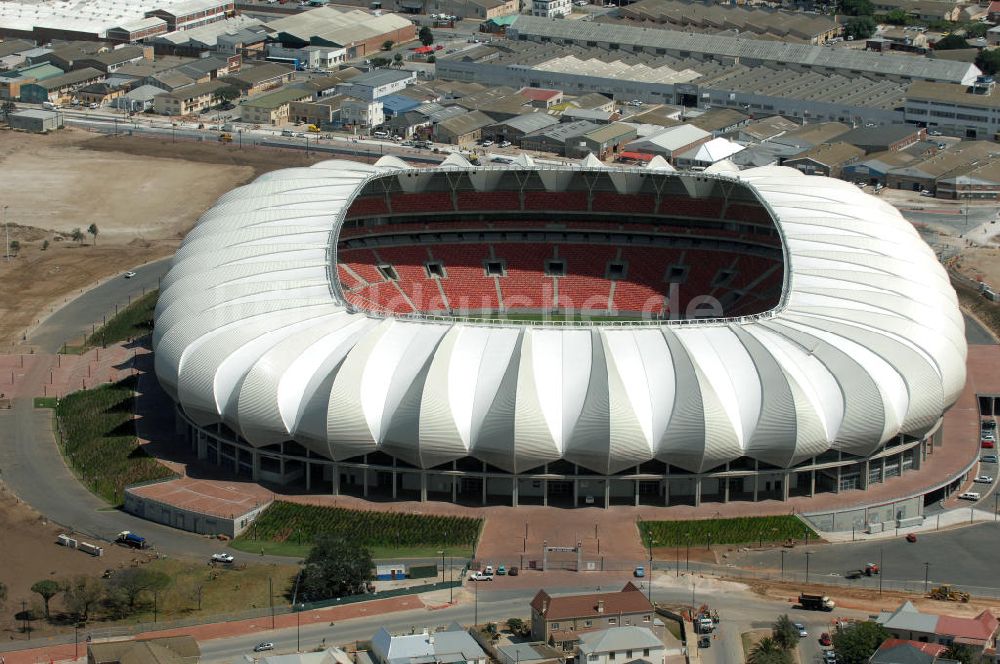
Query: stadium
(558, 334)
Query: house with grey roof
(554, 138)
(138, 100)
(462, 129)
(515, 128)
(619, 644)
(453, 646)
(671, 142)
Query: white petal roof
(868, 343)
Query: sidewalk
(953, 518)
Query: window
(611, 656)
(494, 268)
(645, 652)
(588, 623)
(645, 618)
(628, 654)
(612, 621)
(555, 268)
(435, 270)
(388, 272)
(555, 625)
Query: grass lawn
(743, 530)
(97, 438)
(135, 320)
(223, 590)
(46, 402)
(290, 529)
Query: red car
(911, 538)
(988, 444)
(825, 640)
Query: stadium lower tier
(638, 282)
(469, 481)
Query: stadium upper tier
(258, 327)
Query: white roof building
(454, 646)
(620, 644)
(709, 153)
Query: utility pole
(270, 599)
(6, 244)
(881, 571)
(298, 620)
(808, 553)
(927, 572)
(476, 618)
(782, 563)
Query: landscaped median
(289, 529)
(131, 322)
(741, 530)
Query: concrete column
(255, 465)
(545, 493)
(697, 492)
(607, 492)
(756, 479)
(784, 485)
(864, 474)
(201, 440)
(336, 479)
(884, 464)
(454, 488)
(513, 494)
(812, 483)
(364, 479)
(725, 490)
(281, 465)
(484, 486)
(576, 492)
(666, 492)
(395, 482)
(218, 452)
(837, 487)
(423, 486)
(308, 476)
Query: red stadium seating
(624, 203)
(429, 202)
(488, 201)
(555, 200)
(367, 206)
(699, 208)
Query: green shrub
(743, 530)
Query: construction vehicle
(225, 137)
(313, 128)
(816, 602)
(946, 593)
(131, 539)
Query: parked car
(504, 144)
(988, 444)
(988, 435)
(705, 642)
(989, 424)
(825, 640)
(129, 275)
(487, 143)
(514, 571)
(989, 458)
(926, 192)
(222, 558)
(639, 572)
(479, 576)
(501, 570)
(983, 479)
(261, 647)
(912, 537)
(802, 629)
(969, 495)
(488, 570)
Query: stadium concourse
(574, 336)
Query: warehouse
(12, 81)
(958, 110)
(58, 88)
(193, 13)
(360, 32)
(261, 78)
(515, 129)
(376, 84)
(36, 121)
(826, 159)
(462, 129)
(604, 142)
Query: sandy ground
(981, 264)
(31, 554)
(143, 194)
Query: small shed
(390, 571)
(36, 121)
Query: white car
(222, 558)
(487, 144)
(802, 630)
(504, 144)
(988, 435)
(479, 576)
(129, 275)
(983, 479)
(261, 647)
(926, 192)
(969, 495)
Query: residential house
(163, 650)
(993, 35)
(604, 142)
(361, 112)
(193, 13)
(616, 645)
(884, 138)
(826, 159)
(188, 100)
(671, 141)
(328, 656)
(909, 623)
(100, 93)
(901, 651)
(58, 88)
(555, 138)
(11, 81)
(452, 645)
(565, 615)
(529, 653)
(260, 78)
(516, 128)
(542, 97)
(319, 113)
(377, 84)
(272, 108)
(462, 129)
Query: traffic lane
(75, 317)
(956, 556)
(976, 334)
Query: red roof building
(979, 632)
(542, 97)
(565, 615)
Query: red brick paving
(214, 498)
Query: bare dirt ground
(143, 195)
(31, 554)
(980, 264)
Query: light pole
(927, 572)
(476, 616)
(687, 553)
(808, 553)
(451, 585)
(298, 620)
(881, 571)
(677, 560)
(441, 552)
(6, 235)
(783, 563)
(649, 592)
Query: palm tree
(785, 634)
(767, 651)
(92, 229)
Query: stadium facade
(573, 335)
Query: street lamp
(927, 571)
(476, 617)
(649, 592)
(687, 552)
(881, 571)
(6, 246)
(808, 553)
(451, 586)
(783, 552)
(441, 553)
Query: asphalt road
(976, 334)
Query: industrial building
(359, 32)
(36, 121)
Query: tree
(379, 62)
(856, 645)
(15, 247)
(989, 61)
(896, 17)
(398, 59)
(131, 583)
(768, 651)
(336, 567)
(7, 108)
(961, 653)
(785, 634)
(857, 7)
(860, 27)
(431, 59)
(77, 235)
(228, 93)
(387, 45)
(45, 245)
(950, 43)
(47, 588)
(93, 230)
(976, 29)
(425, 36)
(81, 594)
(516, 625)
